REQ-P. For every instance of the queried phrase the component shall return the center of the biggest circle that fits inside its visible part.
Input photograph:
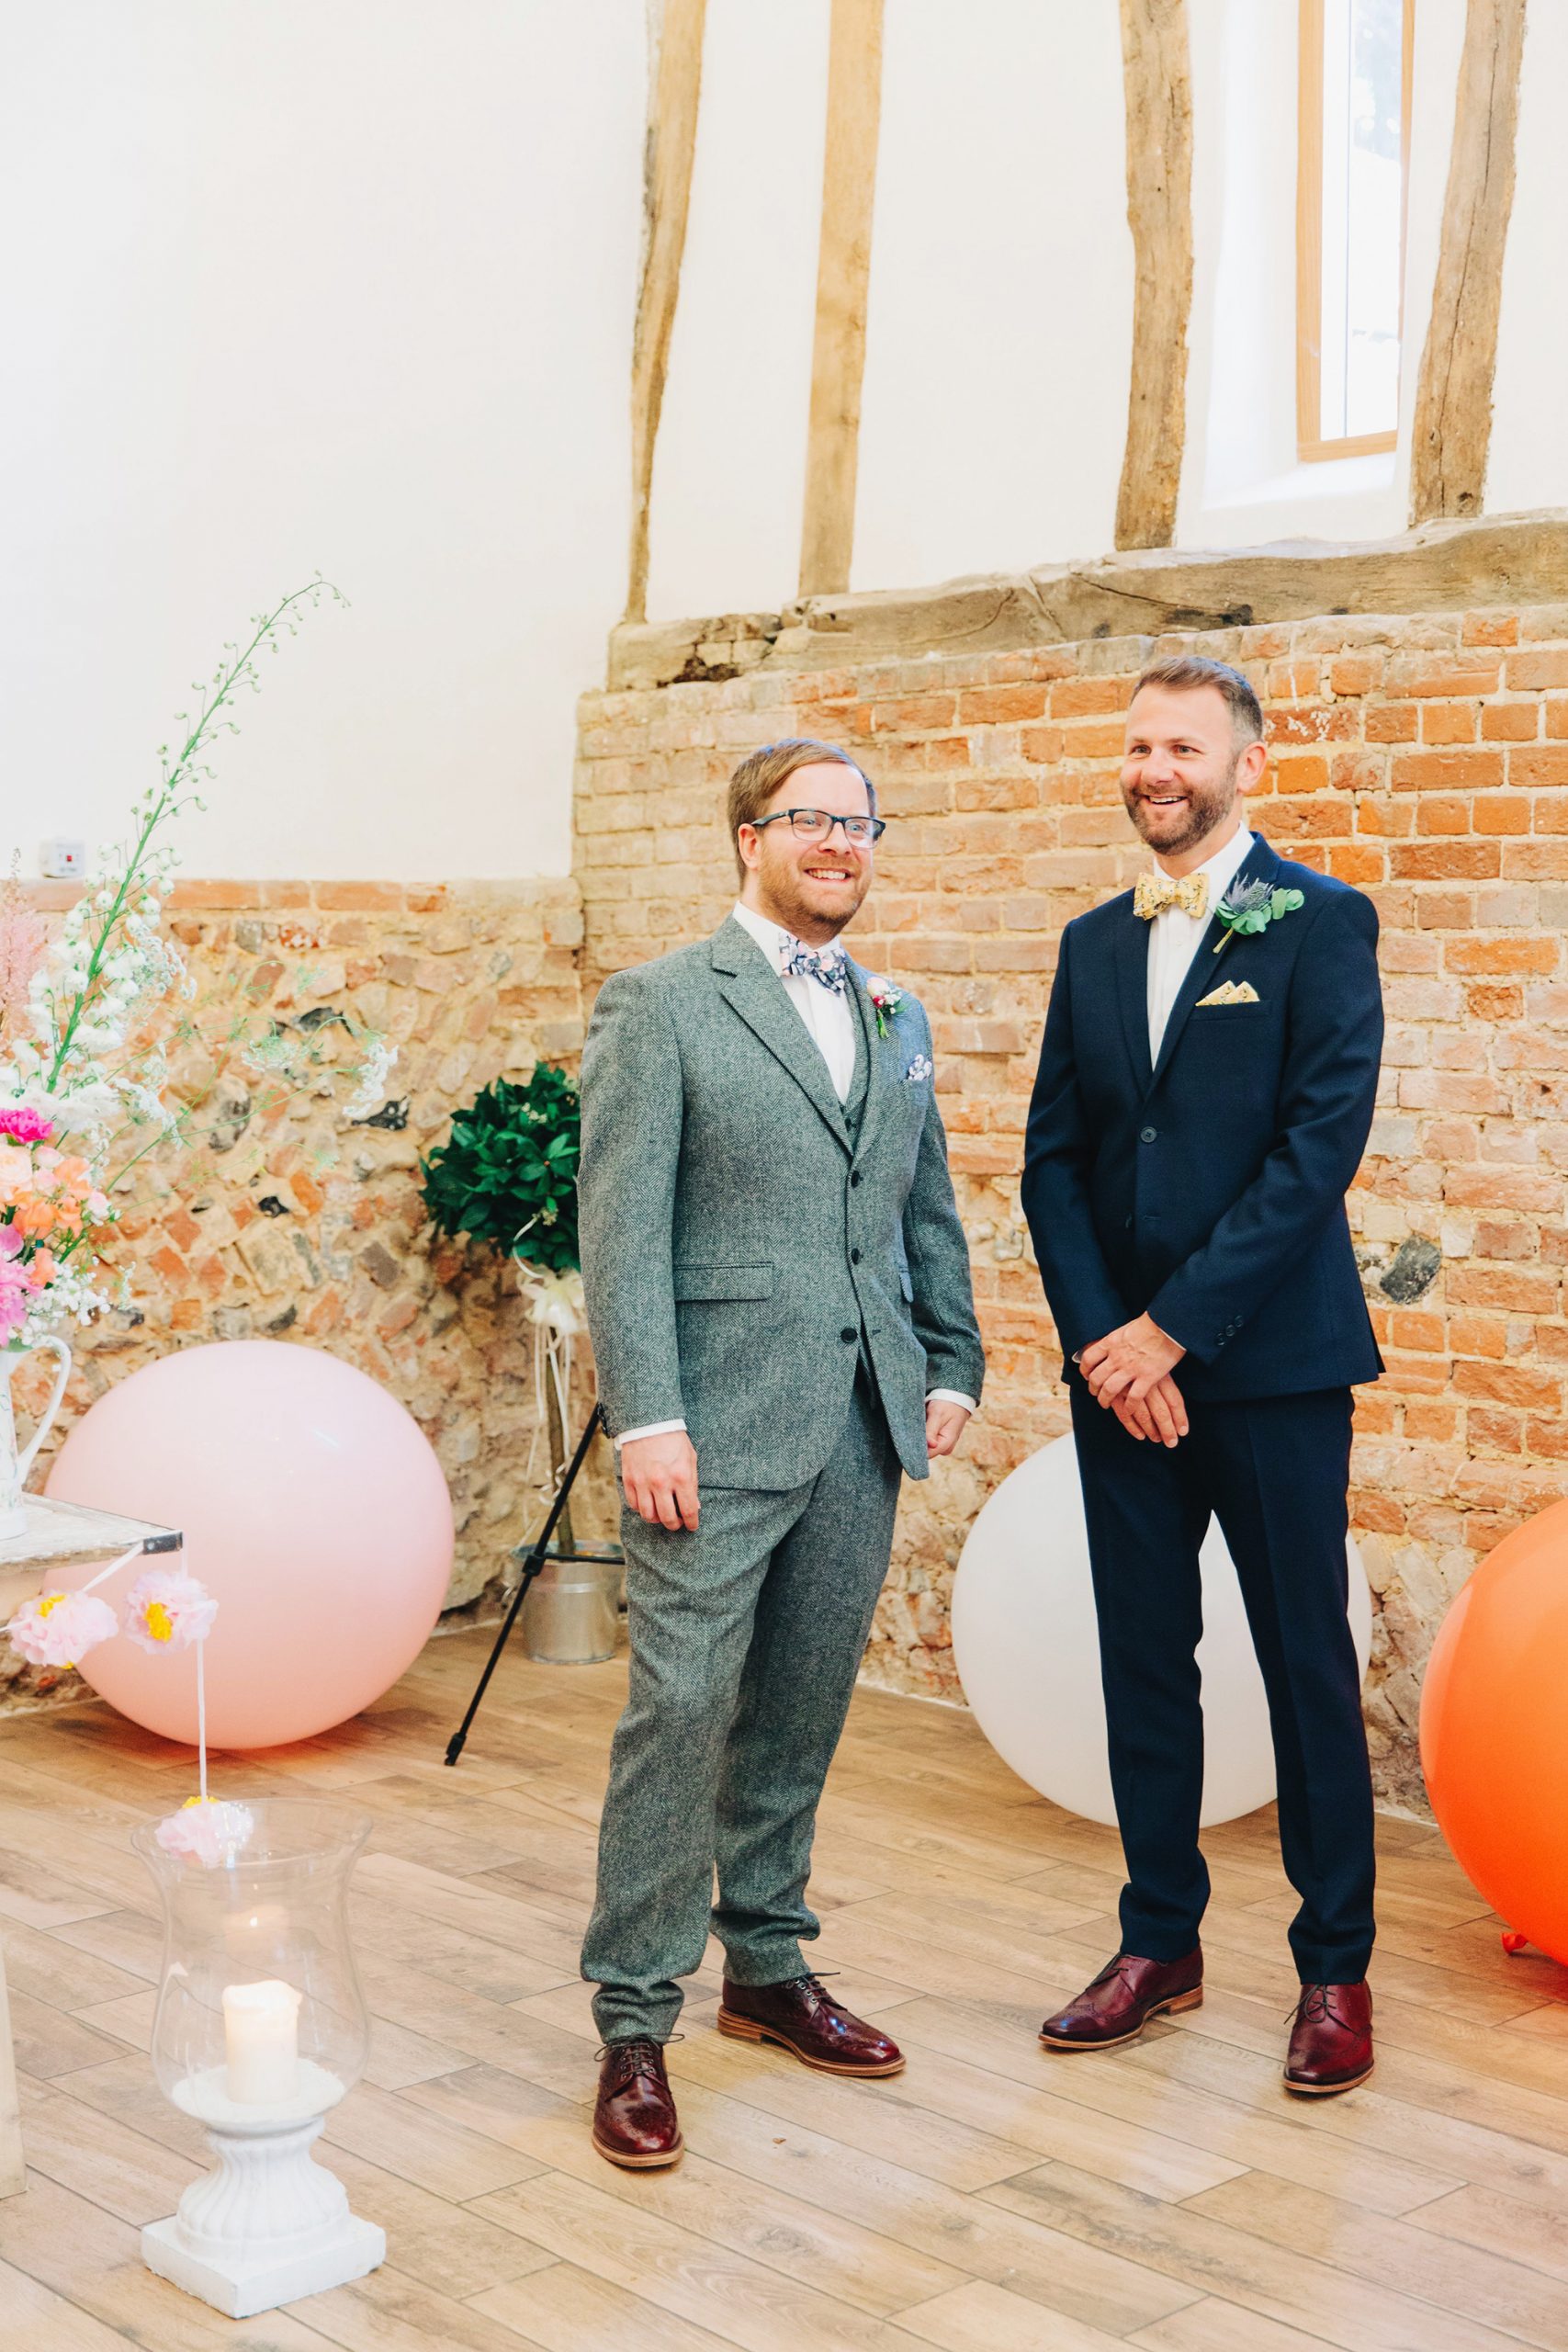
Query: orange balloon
(1494, 1729)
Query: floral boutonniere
(885, 1000)
(1249, 907)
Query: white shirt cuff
(663, 1428)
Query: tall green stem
(165, 806)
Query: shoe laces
(1315, 2007)
(642, 2055)
(1116, 1967)
(816, 1987)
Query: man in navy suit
(1206, 1086)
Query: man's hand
(1161, 1415)
(659, 1478)
(1130, 1361)
(945, 1424)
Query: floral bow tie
(824, 964)
(1156, 894)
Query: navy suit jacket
(1209, 1189)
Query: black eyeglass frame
(878, 824)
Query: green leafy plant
(508, 1175)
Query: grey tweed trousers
(746, 1637)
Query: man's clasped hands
(1130, 1373)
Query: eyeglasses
(817, 825)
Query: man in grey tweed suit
(778, 1289)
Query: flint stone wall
(284, 1221)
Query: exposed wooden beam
(843, 272)
(675, 32)
(1159, 212)
(1453, 398)
(1441, 568)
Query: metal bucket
(571, 1612)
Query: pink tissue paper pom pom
(168, 1609)
(209, 1829)
(58, 1628)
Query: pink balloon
(315, 1512)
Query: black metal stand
(537, 1553)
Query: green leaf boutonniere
(1249, 907)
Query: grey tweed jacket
(737, 1238)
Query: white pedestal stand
(268, 2224)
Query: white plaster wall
(288, 285)
(730, 469)
(1241, 482)
(1529, 458)
(999, 325)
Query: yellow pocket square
(1230, 992)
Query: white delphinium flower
(83, 1050)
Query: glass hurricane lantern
(267, 1926)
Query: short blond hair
(760, 774)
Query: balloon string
(201, 1714)
(123, 1561)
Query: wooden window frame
(1311, 448)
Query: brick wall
(284, 1221)
(1425, 760)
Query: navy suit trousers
(1273, 1471)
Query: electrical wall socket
(62, 861)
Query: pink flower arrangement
(49, 1205)
(58, 1628)
(24, 1124)
(168, 1609)
(209, 1829)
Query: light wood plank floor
(992, 2198)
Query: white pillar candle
(261, 2042)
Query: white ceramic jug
(14, 1463)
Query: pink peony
(26, 1125)
(16, 1297)
(58, 1628)
(168, 1609)
(13, 1240)
(209, 1829)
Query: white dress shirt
(832, 1027)
(1175, 937)
(829, 1015)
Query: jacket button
(849, 1335)
(1129, 1225)
(854, 1257)
(854, 1176)
(1147, 1134)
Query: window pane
(1363, 187)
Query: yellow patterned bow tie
(1156, 894)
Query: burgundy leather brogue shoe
(1118, 2004)
(1331, 2042)
(802, 2018)
(634, 2123)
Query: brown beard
(1207, 807)
(782, 889)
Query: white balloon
(1027, 1647)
